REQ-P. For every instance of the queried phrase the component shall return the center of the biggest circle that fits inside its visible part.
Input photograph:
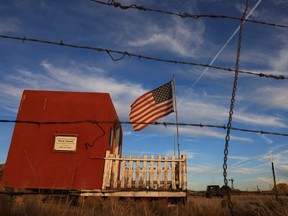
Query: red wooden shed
(62, 155)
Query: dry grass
(248, 205)
(63, 205)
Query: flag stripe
(140, 126)
(141, 98)
(157, 112)
(143, 106)
(151, 106)
(150, 111)
(144, 110)
(153, 117)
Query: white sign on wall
(65, 143)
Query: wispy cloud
(203, 169)
(127, 133)
(51, 77)
(245, 163)
(206, 132)
(259, 119)
(260, 164)
(9, 25)
(175, 36)
(245, 170)
(269, 181)
(199, 108)
(122, 92)
(274, 97)
(265, 180)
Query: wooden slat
(159, 172)
(123, 173)
(137, 180)
(106, 171)
(145, 172)
(180, 175)
(109, 171)
(151, 172)
(130, 172)
(115, 172)
(165, 177)
(173, 173)
(184, 173)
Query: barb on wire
(154, 123)
(124, 53)
(184, 15)
(116, 59)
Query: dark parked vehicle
(213, 190)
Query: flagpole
(174, 145)
(176, 112)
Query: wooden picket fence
(152, 173)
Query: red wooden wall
(32, 160)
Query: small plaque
(65, 143)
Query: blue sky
(261, 103)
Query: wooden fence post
(159, 172)
(151, 170)
(130, 172)
(123, 173)
(107, 171)
(180, 174)
(115, 171)
(184, 172)
(137, 179)
(165, 176)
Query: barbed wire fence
(184, 14)
(164, 124)
(123, 54)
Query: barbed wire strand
(153, 123)
(184, 15)
(125, 53)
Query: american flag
(151, 106)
